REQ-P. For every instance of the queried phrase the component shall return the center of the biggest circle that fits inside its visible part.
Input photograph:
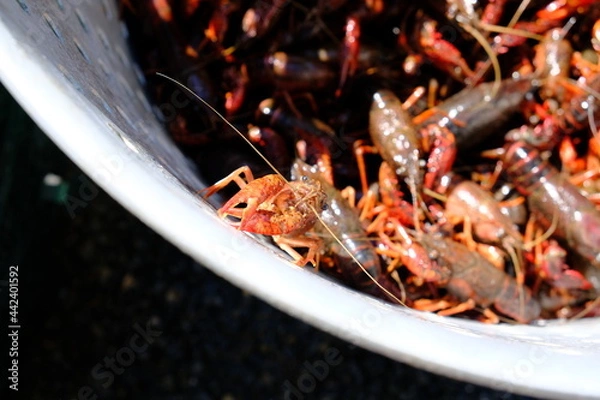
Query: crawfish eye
(304, 178)
(325, 207)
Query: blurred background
(110, 310)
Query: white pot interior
(67, 63)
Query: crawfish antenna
(492, 57)
(517, 15)
(201, 100)
(590, 307)
(530, 245)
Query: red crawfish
(274, 207)
(551, 16)
(552, 268)
(413, 255)
(553, 59)
(385, 200)
(443, 54)
(552, 63)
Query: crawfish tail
(552, 198)
(473, 118)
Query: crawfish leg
(288, 243)
(239, 213)
(360, 149)
(349, 194)
(367, 204)
(457, 309)
(235, 176)
(432, 305)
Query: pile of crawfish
(478, 195)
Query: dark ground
(89, 282)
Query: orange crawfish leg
(432, 305)
(457, 309)
(367, 204)
(287, 244)
(468, 233)
(360, 149)
(349, 194)
(446, 307)
(492, 317)
(235, 176)
(380, 223)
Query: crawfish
(545, 19)
(554, 200)
(473, 117)
(258, 20)
(400, 144)
(343, 222)
(389, 203)
(576, 112)
(468, 199)
(552, 61)
(413, 255)
(553, 269)
(291, 72)
(491, 225)
(274, 207)
(474, 277)
(391, 213)
(395, 137)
